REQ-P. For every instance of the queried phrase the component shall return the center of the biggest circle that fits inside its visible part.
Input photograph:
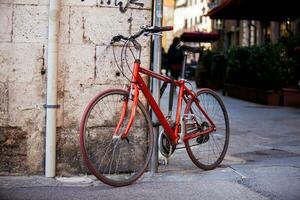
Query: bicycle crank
(164, 145)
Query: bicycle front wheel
(208, 151)
(115, 161)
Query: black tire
(116, 162)
(208, 151)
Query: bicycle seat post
(184, 65)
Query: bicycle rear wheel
(115, 161)
(208, 151)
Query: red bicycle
(116, 137)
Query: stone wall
(86, 67)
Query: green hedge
(270, 66)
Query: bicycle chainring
(164, 145)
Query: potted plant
(256, 72)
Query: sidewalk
(262, 162)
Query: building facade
(168, 20)
(85, 67)
(189, 15)
(256, 30)
(185, 15)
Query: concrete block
(75, 102)
(23, 116)
(5, 22)
(25, 84)
(99, 25)
(77, 65)
(30, 23)
(76, 71)
(25, 104)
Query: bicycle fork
(134, 97)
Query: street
(262, 162)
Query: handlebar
(144, 30)
(157, 29)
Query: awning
(268, 10)
(198, 36)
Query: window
(185, 23)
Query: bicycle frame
(137, 83)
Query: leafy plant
(269, 66)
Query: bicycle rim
(208, 151)
(117, 162)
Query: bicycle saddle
(189, 49)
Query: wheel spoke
(115, 161)
(209, 154)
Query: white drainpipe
(51, 105)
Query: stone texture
(64, 25)
(6, 1)
(31, 2)
(44, 2)
(25, 83)
(77, 65)
(75, 72)
(108, 72)
(13, 150)
(30, 23)
(112, 4)
(6, 60)
(69, 159)
(123, 4)
(6, 13)
(98, 25)
(3, 103)
(76, 101)
(21, 65)
(86, 29)
(103, 125)
(79, 3)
